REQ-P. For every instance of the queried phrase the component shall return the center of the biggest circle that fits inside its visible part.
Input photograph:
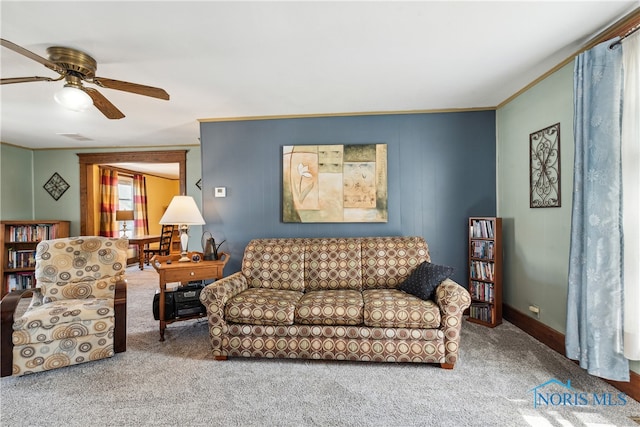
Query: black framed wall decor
(544, 167)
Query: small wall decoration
(56, 186)
(199, 184)
(334, 183)
(544, 167)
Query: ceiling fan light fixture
(73, 98)
(77, 67)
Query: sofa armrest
(214, 297)
(451, 297)
(453, 300)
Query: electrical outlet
(535, 310)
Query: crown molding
(351, 114)
(110, 149)
(618, 29)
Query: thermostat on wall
(220, 192)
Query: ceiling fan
(76, 67)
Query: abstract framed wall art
(56, 186)
(544, 168)
(334, 183)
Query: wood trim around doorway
(88, 161)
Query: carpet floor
(178, 383)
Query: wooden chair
(164, 247)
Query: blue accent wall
(441, 170)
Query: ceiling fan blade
(27, 79)
(22, 51)
(103, 104)
(154, 92)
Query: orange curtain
(141, 221)
(108, 202)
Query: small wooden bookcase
(485, 270)
(18, 241)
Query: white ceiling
(237, 59)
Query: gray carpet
(177, 382)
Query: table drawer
(187, 274)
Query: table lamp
(183, 211)
(124, 216)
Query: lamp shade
(124, 215)
(73, 98)
(182, 211)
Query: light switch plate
(220, 192)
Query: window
(125, 197)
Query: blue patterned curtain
(595, 292)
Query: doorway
(87, 177)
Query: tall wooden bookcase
(18, 241)
(485, 270)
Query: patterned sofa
(334, 298)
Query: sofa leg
(220, 357)
(446, 365)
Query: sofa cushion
(261, 306)
(332, 264)
(82, 267)
(342, 332)
(331, 307)
(65, 319)
(42, 356)
(392, 308)
(60, 312)
(274, 264)
(388, 261)
(79, 289)
(64, 331)
(424, 280)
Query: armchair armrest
(120, 317)
(453, 300)
(214, 297)
(8, 307)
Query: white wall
(536, 240)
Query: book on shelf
(481, 312)
(21, 258)
(32, 232)
(20, 281)
(481, 291)
(482, 249)
(481, 229)
(482, 270)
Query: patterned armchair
(77, 312)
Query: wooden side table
(184, 272)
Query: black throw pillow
(425, 279)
